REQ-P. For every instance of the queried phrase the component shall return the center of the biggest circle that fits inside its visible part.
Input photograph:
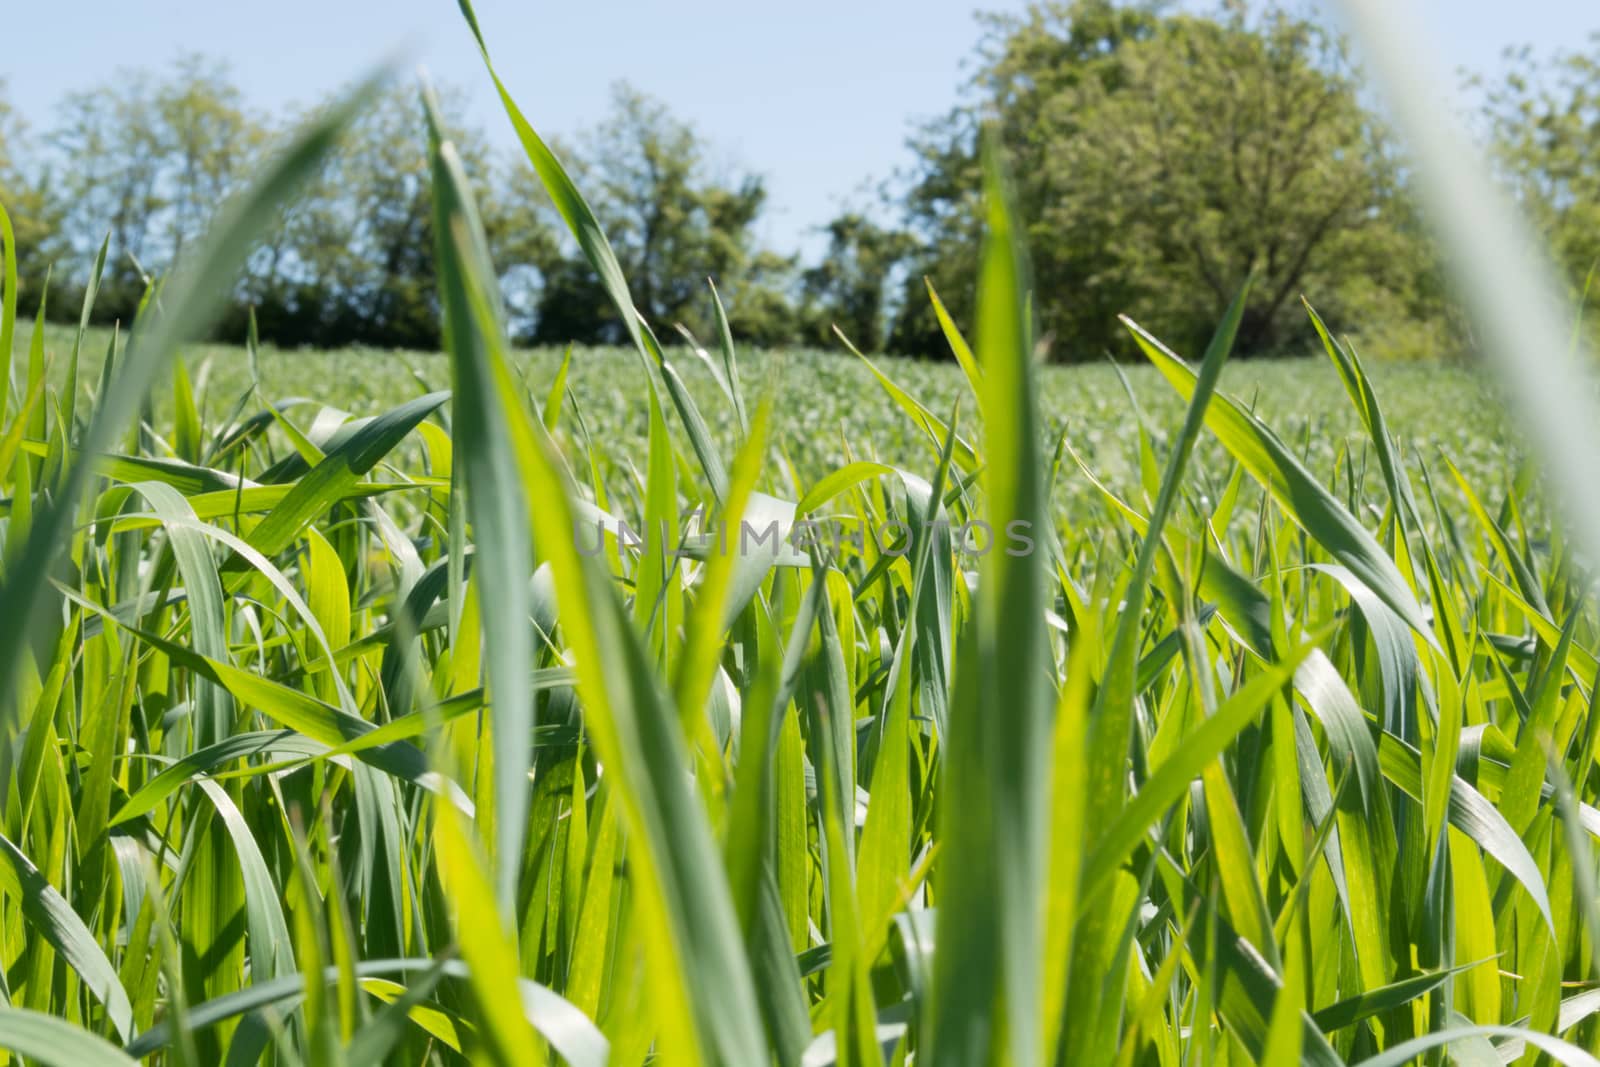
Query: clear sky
(817, 95)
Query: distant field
(829, 397)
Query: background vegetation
(1161, 156)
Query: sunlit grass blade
(335, 476)
(1302, 497)
(496, 508)
(1113, 706)
(488, 946)
(50, 915)
(55, 1042)
(1171, 780)
(8, 305)
(986, 978)
(69, 387)
(691, 940)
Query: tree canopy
(1544, 120)
(672, 220)
(146, 160)
(1160, 158)
(35, 212)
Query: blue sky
(816, 95)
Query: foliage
(1544, 121)
(1164, 156)
(1273, 755)
(148, 162)
(148, 159)
(350, 260)
(671, 222)
(851, 289)
(36, 212)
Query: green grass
(831, 399)
(326, 742)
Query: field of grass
(327, 739)
(833, 409)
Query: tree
(208, 142)
(383, 181)
(850, 287)
(1544, 124)
(1161, 158)
(670, 220)
(761, 300)
(148, 162)
(34, 211)
(147, 159)
(523, 232)
(351, 261)
(1022, 65)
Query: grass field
(833, 409)
(327, 741)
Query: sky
(817, 96)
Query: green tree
(850, 287)
(110, 159)
(1159, 159)
(1023, 63)
(30, 202)
(1544, 123)
(672, 221)
(208, 143)
(148, 161)
(522, 227)
(761, 301)
(350, 261)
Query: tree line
(1159, 157)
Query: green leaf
(8, 306)
(686, 910)
(1407, 1051)
(496, 507)
(48, 913)
(1170, 781)
(990, 876)
(336, 475)
(1302, 497)
(488, 946)
(55, 1042)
